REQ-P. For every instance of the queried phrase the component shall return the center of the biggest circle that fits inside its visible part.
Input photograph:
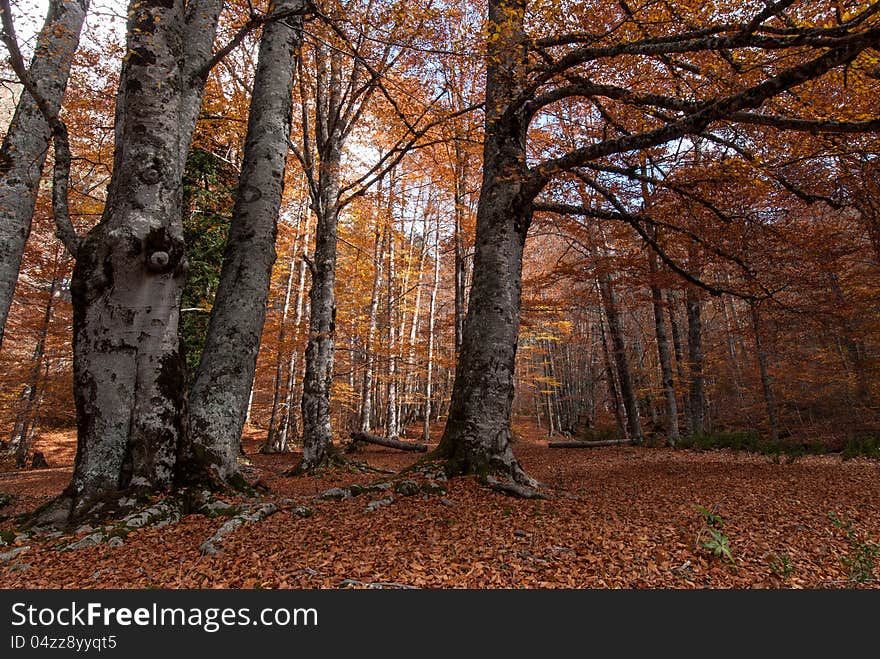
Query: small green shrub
(862, 445)
(862, 559)
(717, 543)
(781, 566)
(750, 442)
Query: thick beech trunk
(477, 435)
(219, 395)
(129, 277)
(26, 142)
(129, 274)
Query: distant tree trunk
(21, 440)
(271, 443)
(695, 360)
(24, 148)
(672, 435)
(218, 397)
(766, 382)
(370, 353)
(432, 315)
(391, 429)
(611, 379)
(679, 359)
(855, 350)
(624, 374)
(415, 324)
(289, 425)
(548, 402)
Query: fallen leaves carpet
(619, 517)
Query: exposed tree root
(511, 488)
(253, 513)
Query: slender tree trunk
(672, 435)
(679, 360)
(695, 360)
(24, 148)
(293, 400)
(766, 382)
(271, 444)
(370, 353)
(391, 429)
(611, 378)
(317, 433)
(460, 174)
(618, 343)
(21, 439)
(432, 316)
(223, 382)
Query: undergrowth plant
(861, 561)
(717, 542)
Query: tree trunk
(663, 352)
(679, 359)
(128, 279)
(271, 443)
(766, 383)
(219, 394)
(289, 424)
(26, 142)
(460, 172)
(695, 360)
(621, 361)
(22, 439)
(432, 317)
(477, 434)
(370, 352)
(391, 428)
(611, 379)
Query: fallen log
(359, 436)
(603, 442)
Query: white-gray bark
(218, 397)
(432, 317)
(372, 318)
(130, 270)
(24, 148)
(129, 277)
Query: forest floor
(618, 517)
